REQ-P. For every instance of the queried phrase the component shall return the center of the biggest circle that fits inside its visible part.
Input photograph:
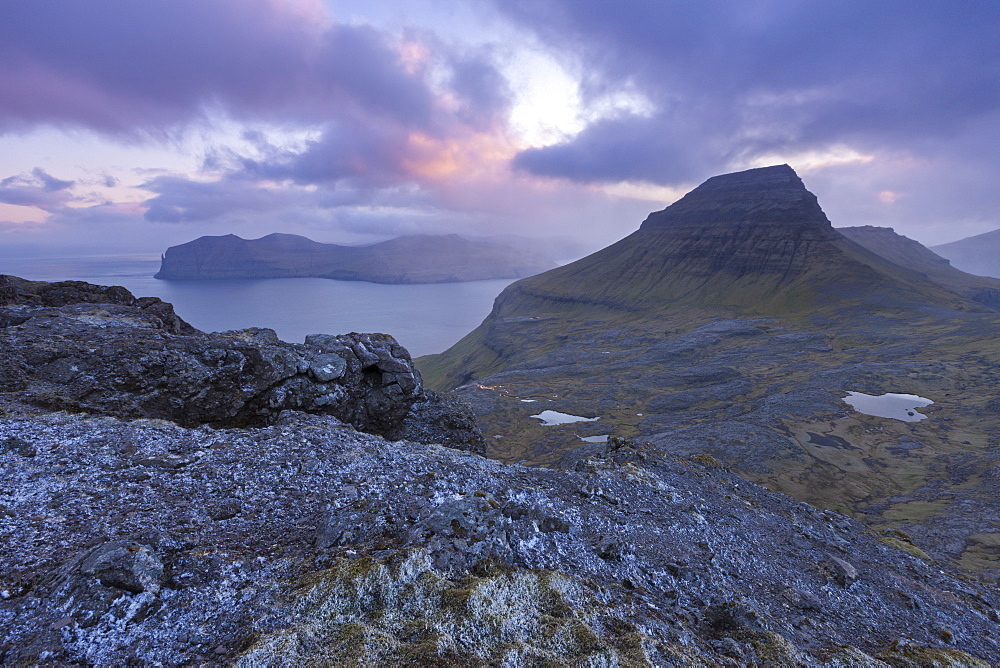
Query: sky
(130, 126)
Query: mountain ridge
(717, 244)
(744, 244)
(909, 253)
(976, 254)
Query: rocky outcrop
(441, 418)
(308, 542)
(16, 291)
(412, 259)
(80, 347)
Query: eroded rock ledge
(80, 347)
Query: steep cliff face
(413, 259)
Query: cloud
(369, 152)
(375, 118)
(628, 148)
(40, 190)
(484, 96)
(134, 68)
(732, 79)
(49, 182)
(183, 200)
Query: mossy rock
(910, 655)
(403, 611)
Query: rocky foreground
(178, 497)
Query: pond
(551, 418)
(896, 406)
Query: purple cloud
(181, 200)
(363, 152)
(744, 78)
(125, 67)
(629, 148)
(483, 92)
(40, 190)
(49, 182)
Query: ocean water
(424, 318)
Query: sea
(426, 318)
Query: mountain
(909, 253)
(411, 259)
(732, 324)
(977, 255)
(173, 497)
(754, 242)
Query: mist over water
(425, 318)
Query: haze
(131, 126)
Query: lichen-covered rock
(17, 291)
(307, 540)
(404, 611)
(125, 565)
(441, 418)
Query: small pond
(551, 418)
(896, 406)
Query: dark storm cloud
(128, 67)
(484, 94)
(367, 152)
(749, 76)
(630, 147)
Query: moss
(846, 656)
(915, 511)
(905, 546)
(456, 597)
(403, 612)
(773, 649)
(912, 655)
(706, 459)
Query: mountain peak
(772, 194)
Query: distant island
(409, 259)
